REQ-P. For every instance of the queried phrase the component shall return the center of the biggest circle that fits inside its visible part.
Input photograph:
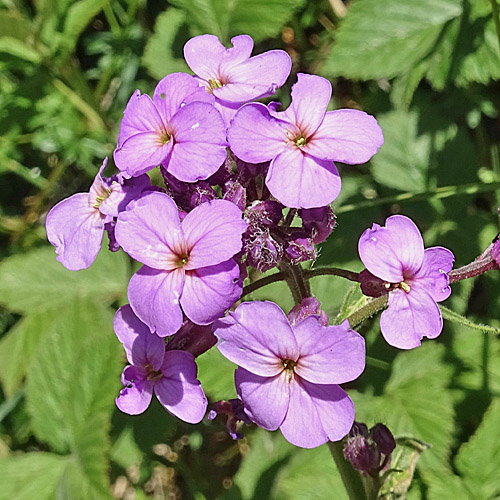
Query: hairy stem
(294, 276)
(333, 271)
(368, 310)
(266, 280)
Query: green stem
(372, 485)
(266, 280)
(441, 192)
(350, 477)
(294, 276)
(375, 305)
(332, 271)
(496, 18)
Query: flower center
(104, 193)
(163, 138)
(152, 374)
(300, 141)
(214, 83)
(404, 286)
(183, 260)
(288, 366)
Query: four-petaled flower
(416, 279)
(288, 375)
(303, 142)
(188, 264)
(171, 375)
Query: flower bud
(383, 438)
(233, 191)
(318, 223)
(235, 412)
(373, 286)
(192, 338)
(495, 251)
(261, 214)
(300, 250)
(201, 193)
(263, 252)
(308, 307)
(359, 451)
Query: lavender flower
(231, 75)
(416, 279)
(288, 374)
(186, 264)
(174, 129)
(75, 226)
(170, 375)
(303, 142)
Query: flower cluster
(245, 185)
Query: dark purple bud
(192, 338)
(495, 251)
(383, 438)
(236, 193)
(263, 252)
(235, 413)
(249, 171)
(308, 307)
(179, 191)
(318, 222)
(358, 449)
(300, 250)
(201, 193)
(262, 214)
(373, 286)
(110, 229)
(223, 174)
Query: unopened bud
(383, 438)
(308, 307)
(300, 250)
(193, 338)
(234, 192)
(373, 286)
(318, 223)
(263, 252)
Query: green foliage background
(428, 70)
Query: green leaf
(160, 56)
(228, 19)
(416, 402)
(462, 320)
(17, 48)
(30, 476)
(217, 374)
(386, 38)
(31, 281)
(70, 393)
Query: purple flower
(231, 75)
(75, 226)
(174, 129)
(288, 374)
(417, 280)
(186, 264)
(303, 142)
(171, 375)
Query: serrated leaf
(386, 38)
(30, 476)
(159, 56)
(48, 282)
(416, 402)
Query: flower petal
(310, 97)
(254, 78)
(317, 413)
(301, 181)
(346, 135)
(178, 390)
(142, 347)
(394, 252)
(135, 397)
(328, 354)
(175, 91)
(150, 231)
(410, 317)
(255, 136)
(433, 274)
(213, 233)
(140, 115)
(200, 142)
(203, 55)
(75, 229)
(154, 296)
(142, 152)
(209, 291)
(257, 336)
(265, 398)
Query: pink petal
(175, 91)
(394, 252)
(178, 390)
(227, 110)
(209, 291)
(203, 55)
(238, 53)
(316, 414)
(257, 77)
(310, 97)
(213, 233)
(140, 115)
(257, 336)
(301, 181)
(433, 274)
(154, 296)
(135, 397)
(328, 354)
(410, 317)
(142, 347)
(150, 232)
(255, 136)
(75, 228)
(265, 398)
(142, 152)
(122, 194)
(346, 135)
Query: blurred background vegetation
(428, 70)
